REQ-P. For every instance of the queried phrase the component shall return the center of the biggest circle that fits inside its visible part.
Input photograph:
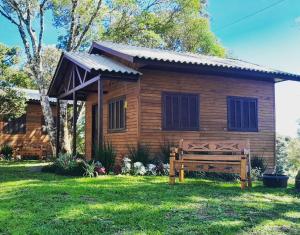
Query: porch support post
(74, 122)
(100, 112)
(57, 127)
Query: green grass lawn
(39, 203)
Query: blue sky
(270, 38)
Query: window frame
(115, 100)
(6, 129)
(242, 129)
(163, 109)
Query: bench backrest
(215, 147)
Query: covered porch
(80, 75)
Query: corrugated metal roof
(188, 58)
(33, 94)
(99, 62)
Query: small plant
(99, 169)
(90, 169)
(126, 166)
(7, 152)
(258, 162)
(140, 153)
(139, 169)
(106, 154)
(66, 161)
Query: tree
(178, 25)
(12, 102)
(28, 16)
(9, 69)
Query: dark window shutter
(180, 111)
(242, 114)
(194, 112)
(184, 112)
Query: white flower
(126, 168)
(151, 169)
(139, 168)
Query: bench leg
(181, 173)
(243, 174)
(172, 169)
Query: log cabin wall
(122, 139)
(29, 144)
(213, 92)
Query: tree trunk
(47, 112)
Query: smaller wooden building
(141, 95)
(27, 134)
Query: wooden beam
(74, 122)
(57, 127)
(89, 82)
(100, 112)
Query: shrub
(165, 150)
(66, 164)
(258, 162)
(106, 154)
(140, 153)
(66, 161)
(7, 152)
(281, 165)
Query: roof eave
(111, 51)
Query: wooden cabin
(27, 134)
(140, 95)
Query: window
(117, 114)
(43, 124)
(15, 125)
(180, 111)
(242, 114)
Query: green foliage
(294, 154)
(140, 153)
(7, 151)
(178, 25)
(106, 154)
(12, 102)
(66, 161)
(89, 169)
(281, 164)
(9, 72)
(258, 162)
(165, 150)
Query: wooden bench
(212, 156)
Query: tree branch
(8, 16)
(42, 5)
(87, 27)
(70, 41)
